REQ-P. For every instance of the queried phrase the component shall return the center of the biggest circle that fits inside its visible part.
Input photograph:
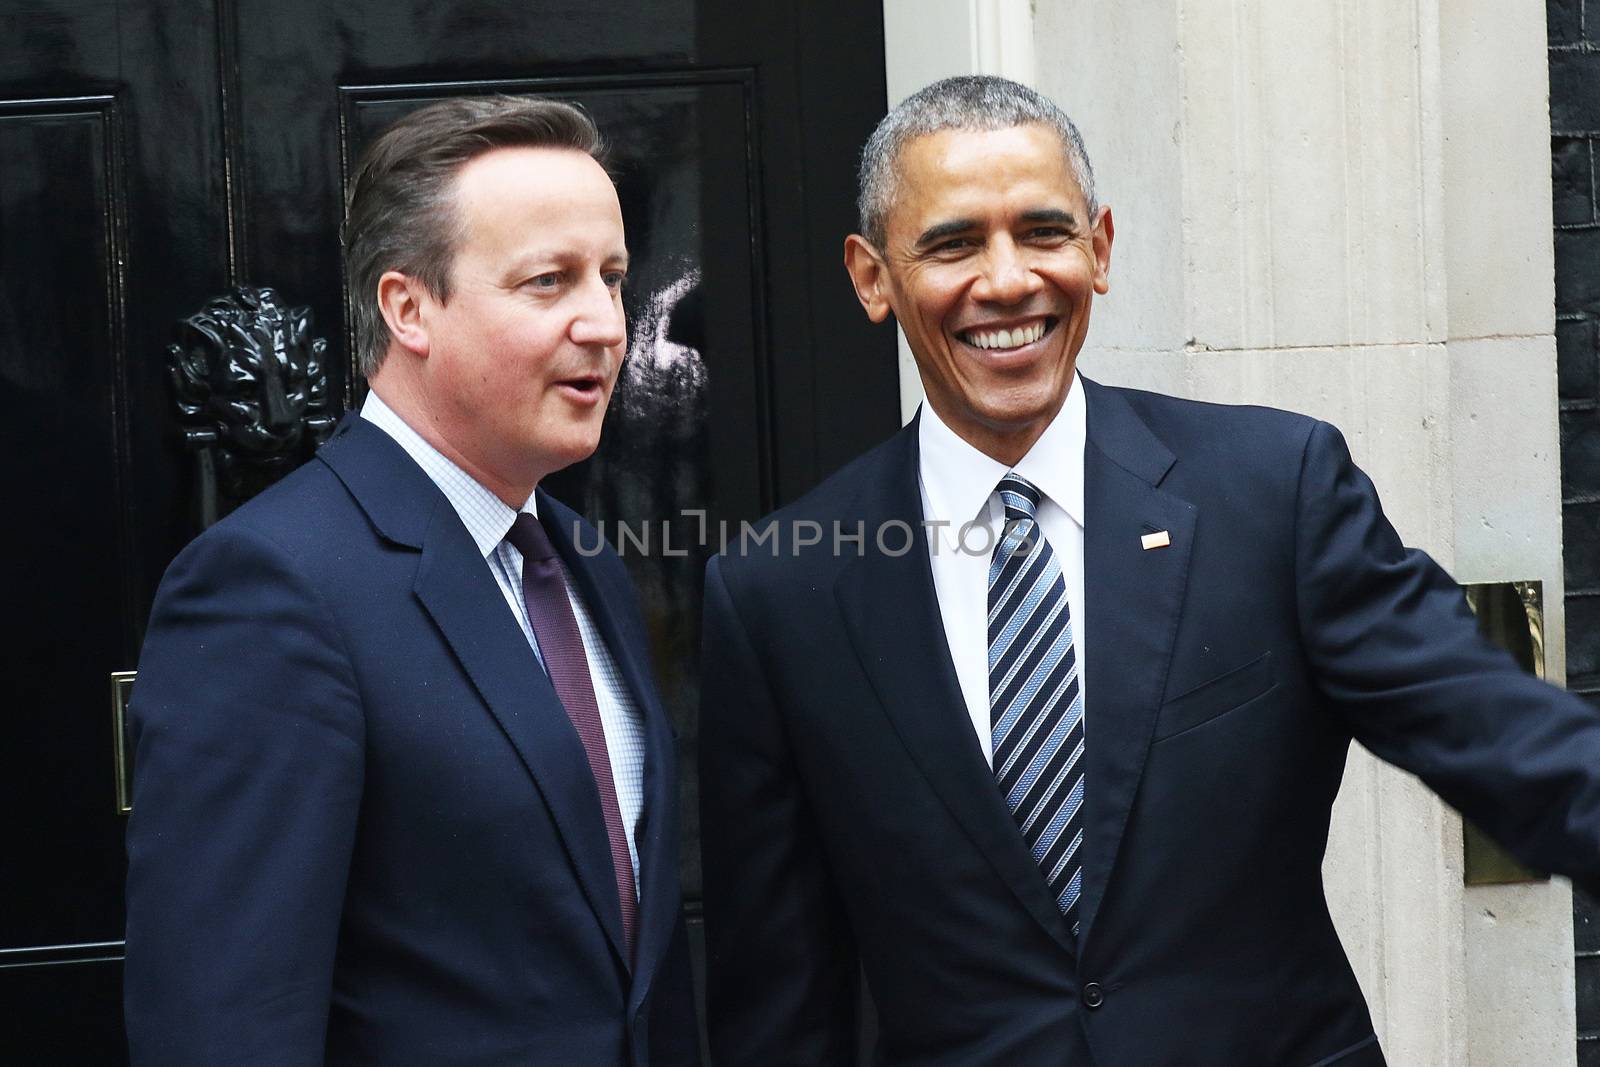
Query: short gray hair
(967, 102)
(401, 213)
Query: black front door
(156, 154)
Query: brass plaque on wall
(1510, 614)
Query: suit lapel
(659, 898)
(457, 589)
(1133, 597)
(892, 613)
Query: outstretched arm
(1394, 648)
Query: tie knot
(1020, 496)
(528, 537)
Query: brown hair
(401, 213)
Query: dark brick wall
(1586, 931)
(1574, 128)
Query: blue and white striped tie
(1035, 708)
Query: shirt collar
(486, 517)
(958, 479)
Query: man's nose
(599, 319)
(1005, 277)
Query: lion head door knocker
(251, 385)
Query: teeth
(1022, 335)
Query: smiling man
(403, 789)
(905, 772)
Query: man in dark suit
(403, 789)
(1043, 735)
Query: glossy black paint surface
(153, 154)
(59, 450)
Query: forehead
(506, 193)
(976, 173)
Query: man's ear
(869, 275)
(1104, 231)
(400, 300)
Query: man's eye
(615, 279)
(1048, 233)
(545, 281)
(955, 244)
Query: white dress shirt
(488, 518)
(958, 488)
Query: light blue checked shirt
(487, 519)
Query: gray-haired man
(904, 770)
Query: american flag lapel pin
(1159, 539)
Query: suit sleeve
(248, 742)
(1395, 649)
(781, 967)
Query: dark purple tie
(544, 591)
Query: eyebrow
(536, 259)
(1051, 214)
(939, 231)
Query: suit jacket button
(1093, 995)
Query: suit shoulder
(299, 516)
(805, 543)
(1217, 418)
(1235, 436)
(849, 491)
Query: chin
(1017, 417)
(576, 451)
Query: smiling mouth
(1006, 339)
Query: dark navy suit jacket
(849, 815)
(364, 830)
